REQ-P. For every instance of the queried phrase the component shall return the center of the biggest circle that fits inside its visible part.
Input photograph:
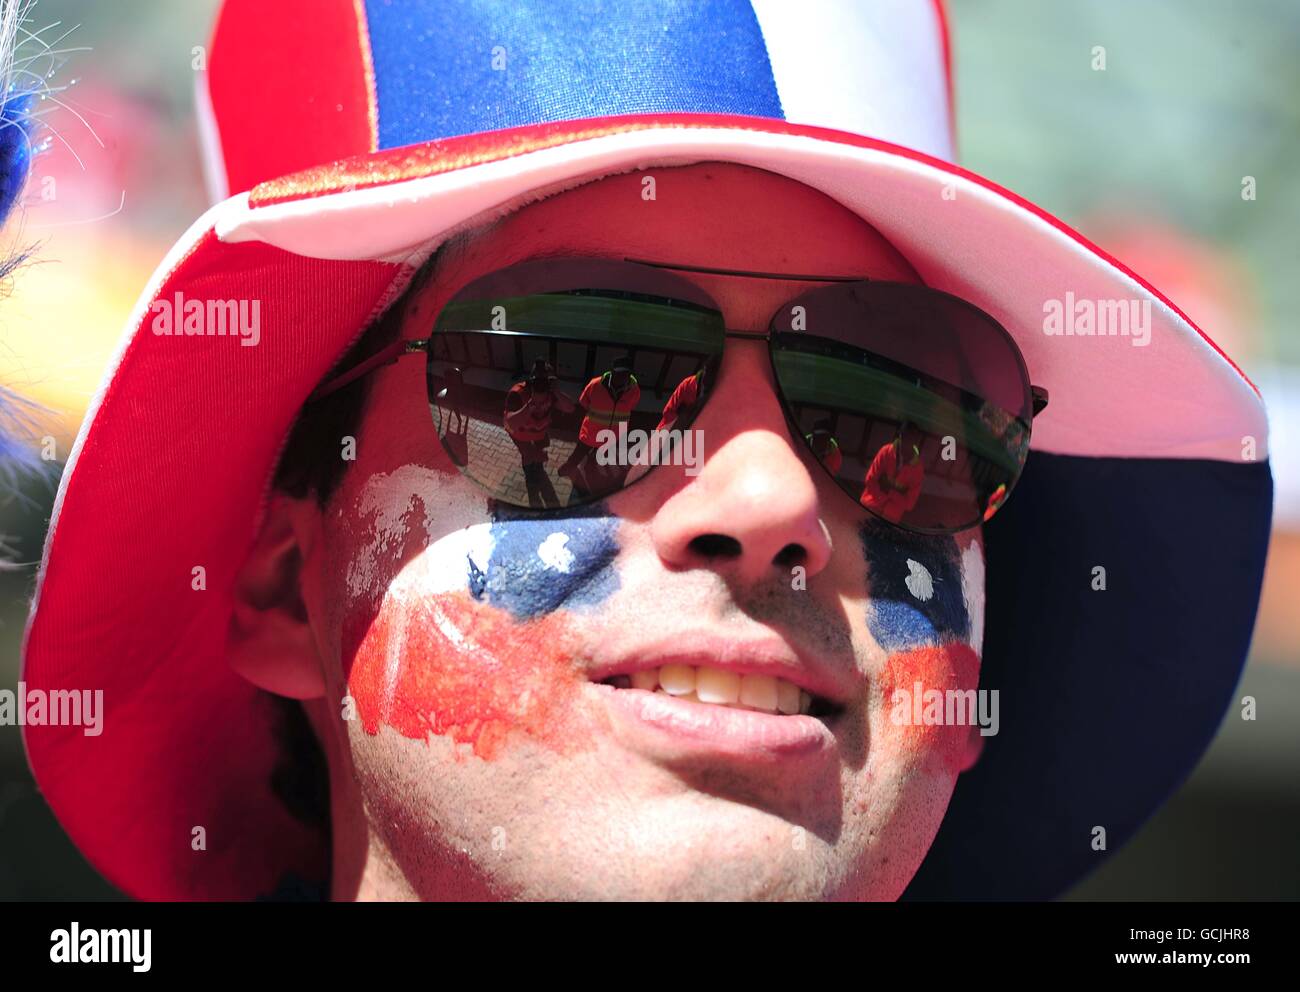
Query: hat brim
(1137, 466)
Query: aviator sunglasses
(916, 403)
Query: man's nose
(752, 512)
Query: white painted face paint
(455, 525)
(919, 581)
(554, 554)
(972, 585)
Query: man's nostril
(715, 546)
(790, 556)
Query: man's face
(489, 759)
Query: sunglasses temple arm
(386, 357)
(1039, 396)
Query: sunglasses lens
(916, 402)
(558, 382)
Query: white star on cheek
(554, 554)
(919, 582)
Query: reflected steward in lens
(529, 408)
(606, 401)
(893, 482)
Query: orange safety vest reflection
(602, 411)
(682, 401)
(892, 489)
(530, 426)
(831, 457)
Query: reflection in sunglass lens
(560, 397)
(916, 402)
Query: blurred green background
(1146, 158)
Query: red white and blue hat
(346, 140)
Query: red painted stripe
(289, 88)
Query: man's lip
(677, 729)
(745, 656)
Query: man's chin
(692, 848)
(610, 823)
(697, 844)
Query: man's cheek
(534, 567)
(475, 640)
(919, 615)
(915, 584)
(916, 714)
(452, 668)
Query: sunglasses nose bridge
(745, 403)
(795, 435)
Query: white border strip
(214, 162)
(196, 233)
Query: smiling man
(518, 717)
(384, 639)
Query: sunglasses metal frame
(1038, 395)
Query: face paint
(393, 506)
(918, 614)
(539, 564)
(472, 640)
(915, 583)
(972, 571)
(951, 666)
(450, 667)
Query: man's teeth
(727, 688)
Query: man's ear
(972, 748)
(270, 641)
